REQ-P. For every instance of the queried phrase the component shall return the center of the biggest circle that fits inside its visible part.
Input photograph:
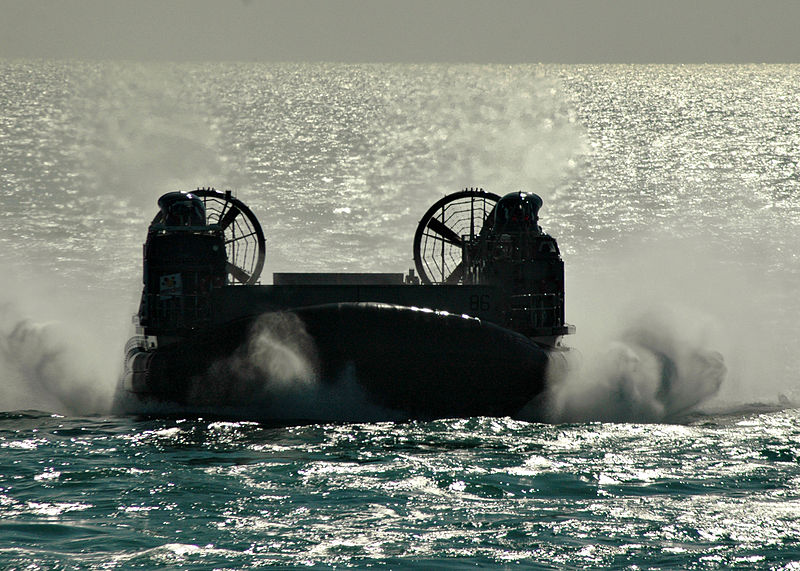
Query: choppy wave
(195, 493)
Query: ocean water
(674, 192)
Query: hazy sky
(513, 31)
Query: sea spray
(275, 375)
(278, 357)
(60, 342)
(653, 370)
(45, 368)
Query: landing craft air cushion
(476, 330)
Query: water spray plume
(652, 371)
(51, 367)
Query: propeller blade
(230, 215)
(456, 275)
(446, 233)
(238, 273)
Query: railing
(537, 310)
(177, 311)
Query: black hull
(415, 363)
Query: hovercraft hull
(416, 363)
